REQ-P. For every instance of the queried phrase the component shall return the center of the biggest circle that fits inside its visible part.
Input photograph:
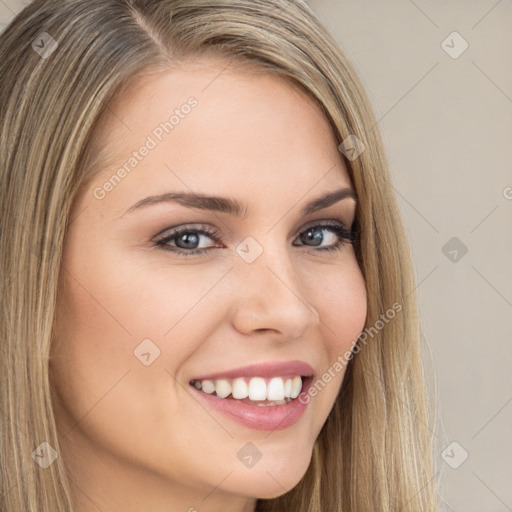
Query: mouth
(262, 397)
(256, 390)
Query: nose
(269, 294)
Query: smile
(264, 392)
(261, 397)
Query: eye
(338, 235)
(187, 241)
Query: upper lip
(271, 369)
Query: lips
(266, 370)
(262, 397)
(271, 381)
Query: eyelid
(192, 226)
(330, 222)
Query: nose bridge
(270, 291)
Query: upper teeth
(256, 388)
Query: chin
(273, 477)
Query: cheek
(117, 316)
(106, 314)
(121, 301)
(342, 306)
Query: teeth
(257, 389)
(268, 404)
(277, 391)
(222, 388)
(240, 389)
(288, 388)
(296, 387)
(207, 386)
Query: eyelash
(345, 235)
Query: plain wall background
(447, 125)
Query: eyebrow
(232, 206)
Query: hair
(375, 450)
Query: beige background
(447, 124)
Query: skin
(132, 435)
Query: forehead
(218, 125)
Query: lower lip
(271, 417)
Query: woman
(207, 302)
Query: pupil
(189, 239)
(314, 235)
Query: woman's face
(162, 301)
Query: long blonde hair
(374, 452)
